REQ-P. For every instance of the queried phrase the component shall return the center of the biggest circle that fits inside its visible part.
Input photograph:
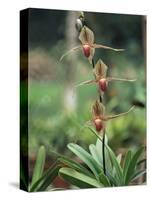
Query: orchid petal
(70, 51)
(105, 118)
(106, 47)
(119, 79)
(100, 69)
(98, 109)
(92, 51)
(86, 36)
(86, 82)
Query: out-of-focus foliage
(41, 180)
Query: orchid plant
(100, 167)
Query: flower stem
(103, 142)
(93, 64)
(103, 139)
(103, 152)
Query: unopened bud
(79, 24)
(103, 84)
(98, 124)
(86, 50)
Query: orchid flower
(86, 38)
(100, 72)
(99, 118)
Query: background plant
(41, 180)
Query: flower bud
(79, 25)
(86, 50)
(98, 124)
(103, 84)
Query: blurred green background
(57, 110)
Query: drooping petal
(88, 123)
(105, 118)
(120, 79)
(98, 109)
(86, 36)
(70, 51)
(106, 47)
(100, 69)
(86, 82)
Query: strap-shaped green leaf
(141, 161)
(39, 165)
(46, 179)
(119, 158)
(96, 152)
(127, 160)
(107, 157)
(138, 174)
(132, 165)
(118, 169)
(76, 166)
(113, 180)
(104, 180)
(73, 164)
(86, 158)
(78, 179)
(97, 155)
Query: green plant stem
(100, 98)
(103, 141)
(93, 64)
(103, 152)
(103, 147)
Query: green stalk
(93, 64)
(103, 152)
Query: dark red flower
(87, 39)
(100, 72)
(99, 117)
